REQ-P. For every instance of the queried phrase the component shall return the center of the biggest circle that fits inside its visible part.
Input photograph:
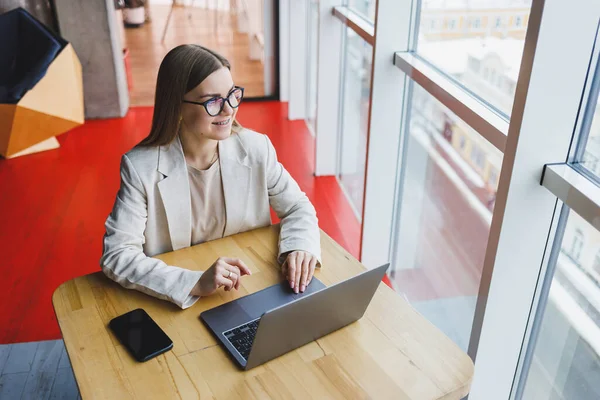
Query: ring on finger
(229, 275)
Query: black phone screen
(138, 332)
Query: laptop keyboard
(242, 337)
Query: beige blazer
(152, 212)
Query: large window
(478, 43)
(354, 118)
(566, 355)
(490, 141)
(445, 213)
(563, 355)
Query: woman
(200, 176)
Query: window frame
(497, 371)
(504, 320)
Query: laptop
(267, 324)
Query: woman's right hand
(224, 272)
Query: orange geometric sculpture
(52, 107)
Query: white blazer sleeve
(299, 224)
(123, 259)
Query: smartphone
(142, 337)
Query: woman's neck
(199, 152)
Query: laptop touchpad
(258, 303)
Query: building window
(510, 88)
(432, 24)
(577, 245)
(499, 81)
(447, 133)
(474, 64)
(498, 22)
(519, 21)
(493, 177)
(477, 23)
(462, 142)
(452, 24)
(493, 76)
(477, 157)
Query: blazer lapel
(175, 193)
(236, 175)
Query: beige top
(208, 203)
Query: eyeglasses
(214, 105)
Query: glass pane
(591, 154)
(355, 118)
(312, 59)
(364, 7)
(447, 197)
(566, 358)
(479, 43)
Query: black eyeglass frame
(224, 99)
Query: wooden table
(392, 352)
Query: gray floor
(36, 370)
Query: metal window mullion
(456, 98)
(284, 50)
(392, 29)
(538, 308)
(540, 131)
(590, 102)
(297, 64)
(340, 109)
(363, 28)
(329, 73)
(578, 192)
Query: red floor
(54, 205)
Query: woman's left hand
(299, 268)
